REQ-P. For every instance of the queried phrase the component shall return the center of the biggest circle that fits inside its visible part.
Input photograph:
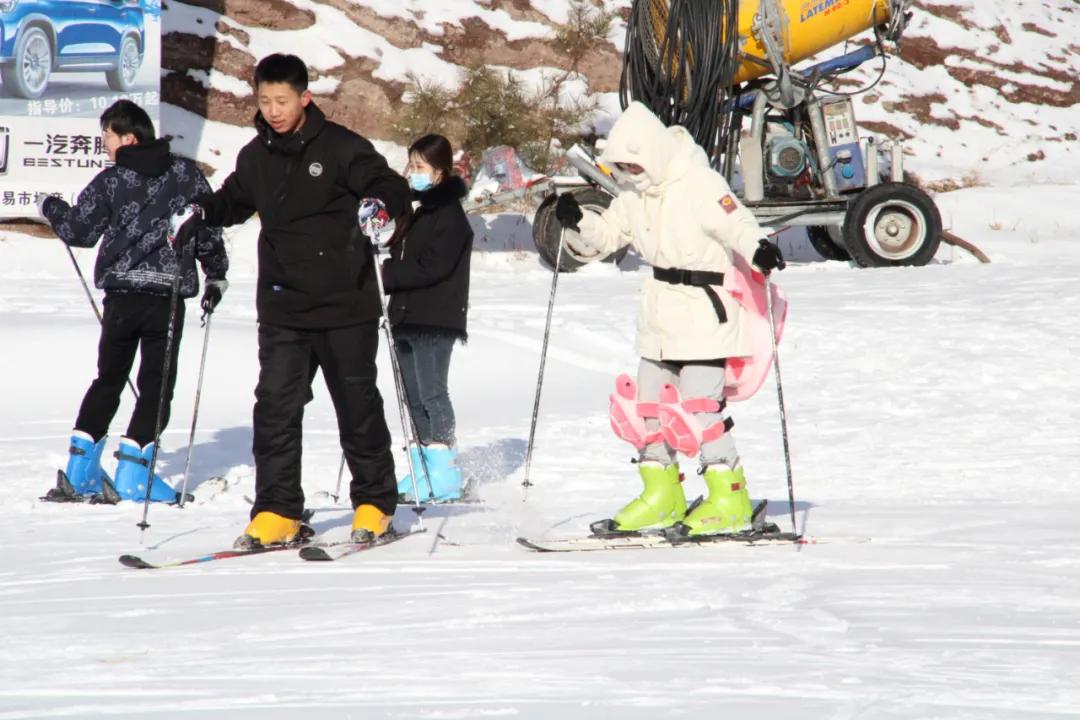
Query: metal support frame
(897, 170)
(769, 28)
(821, 144)
(870, 156)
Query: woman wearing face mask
(427, 276)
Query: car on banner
(42, 37)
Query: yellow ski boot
(727, 509)
(268, 528)
(661, 504)
(370, 524)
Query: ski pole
(174, 302)
(526, 484)
(93, 304)
(340, 472)
(402, 392)
(195, 415)
(408, 427)
(403, 408)
(780, 398)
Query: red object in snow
(503, 164)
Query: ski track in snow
(933, 410)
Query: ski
(468, 497)
(650, 542)
(65, 493)
(306, 536)
(325, 552)
(133, 561)
(606, 536)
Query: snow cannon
(790, 147)
(799, 29)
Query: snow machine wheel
(828, 241)
(892, 224)
(547, 232)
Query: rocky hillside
(984, 92)
(362, 53)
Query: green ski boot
(661, 504)
(727, 509)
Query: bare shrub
(493, 107)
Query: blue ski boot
(84, 464)
(446, 478)
(133, 470)
(405, 485)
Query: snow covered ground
(932, 410)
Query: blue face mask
(420, 181)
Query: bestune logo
(315, 169)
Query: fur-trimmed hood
(427, 274)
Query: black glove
(212, 295)
(43, 203)
(768, 258)
(568, 211)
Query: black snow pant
(288, 359)
(130, 322)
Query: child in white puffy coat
(682, 218)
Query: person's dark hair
(279, 68)
(124, 117)
(437, 152)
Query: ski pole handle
(184, 222)
(372, 215)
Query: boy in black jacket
(317, 297)
(128, 207)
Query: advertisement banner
(62, 63)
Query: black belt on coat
(695, 278)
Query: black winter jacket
(428, 270)
(315, 268)
(128, 206)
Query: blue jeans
(425, 366)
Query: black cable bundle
(679, 61)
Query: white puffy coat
(686, 218)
